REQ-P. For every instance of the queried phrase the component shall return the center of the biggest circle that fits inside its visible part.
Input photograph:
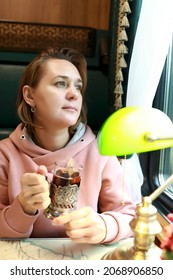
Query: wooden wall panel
(89, 13)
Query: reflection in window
(166, 158)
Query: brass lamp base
(127, 251)
(145, 227)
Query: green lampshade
(129, 129)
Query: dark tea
(64, 189)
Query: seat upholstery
(9, 80)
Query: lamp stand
(145, 227)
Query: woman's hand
(83, 226)
(34, 193)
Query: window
(161, 162)
(166, 156)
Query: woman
(53, 127)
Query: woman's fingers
(34, 191)
(73, 216)
(31, 179)
(37, 189)
(83, 226)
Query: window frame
(151, 161)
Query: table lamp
(136, 130)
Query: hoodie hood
(81, 139)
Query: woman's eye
(79, 87)
(60, 84)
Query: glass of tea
(64, 188)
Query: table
(51, 249)
(59, 249)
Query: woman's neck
(49, 140)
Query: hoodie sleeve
(115, 203)
(14, 222)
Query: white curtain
(152, 40)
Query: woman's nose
(72, 92)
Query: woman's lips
(70, 108)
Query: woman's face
(57, 98)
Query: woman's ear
(28, 95)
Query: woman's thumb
(42, 170)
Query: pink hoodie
(101, 187)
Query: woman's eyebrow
(63, 77)
(67, 77)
